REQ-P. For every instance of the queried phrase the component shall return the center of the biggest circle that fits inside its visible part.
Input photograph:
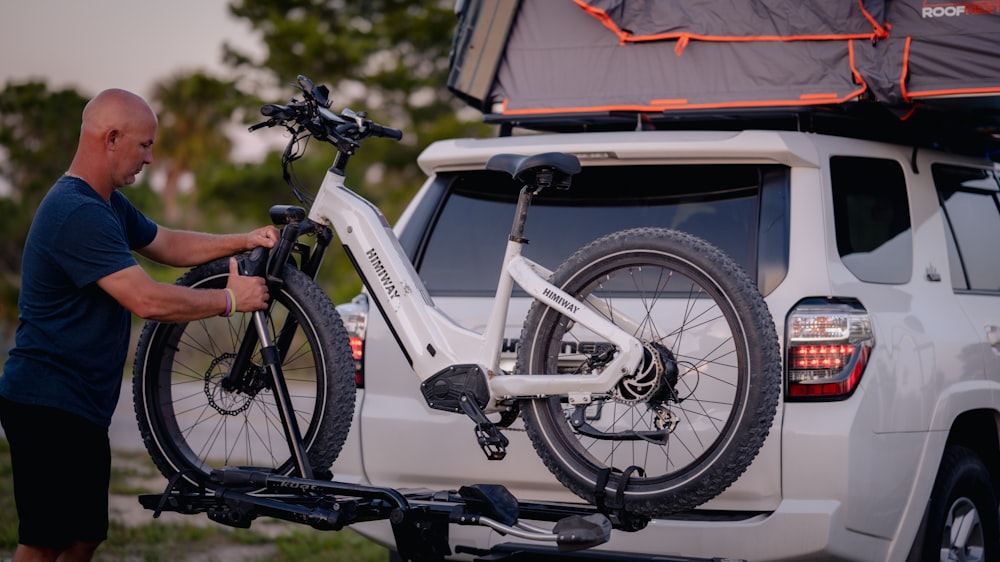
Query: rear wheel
(696, 412)
(193, 418)
(961, 521)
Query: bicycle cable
(293, 152)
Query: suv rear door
(456, 234)
(970, 201)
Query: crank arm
(493, 443)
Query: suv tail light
(355, 317)
(827, 343)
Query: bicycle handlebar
(311, 117)
(345, 131)
(386, 132)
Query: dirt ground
(130, 456)
(126, 509)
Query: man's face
(134, 150)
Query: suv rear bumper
(809, 530)
(798, 522)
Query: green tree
(389, 57)
(245, 192)
(38, 128)
(193, 111)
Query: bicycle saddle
(526, 168)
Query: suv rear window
(462, 251)
(872, 216)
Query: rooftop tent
(480, 42)
(738, 20)
(935, 51)
(563, 64)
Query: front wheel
(194, 415)
(682, 428)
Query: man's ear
(112, 139)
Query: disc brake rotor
(225, 402)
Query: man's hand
(251, 292)
(266, 236)
(181, 248)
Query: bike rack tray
(420, 518)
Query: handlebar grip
(306, 84)
(273, 110)
(386, 132)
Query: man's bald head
(114, 108)
(116, 139)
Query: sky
(132, 44)
(98, 44)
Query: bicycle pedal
(490, 439)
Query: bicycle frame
(432, 341)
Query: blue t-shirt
(72, 338)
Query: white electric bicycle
(647, 374)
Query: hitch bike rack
(420, 518)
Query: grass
(133, 474)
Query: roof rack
(974, 130)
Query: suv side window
(969, 198)
(462, 253)
(872, 217)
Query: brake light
(355, 317)
(357, 352)
(827, 343)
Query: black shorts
(62, 469)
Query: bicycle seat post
(521, 214)
(537, 172)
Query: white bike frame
(430, 339)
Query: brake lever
(268, 123)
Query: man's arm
(164, 302)
(181, 248)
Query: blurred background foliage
(389, 57)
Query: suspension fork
(273, 271)
(310, 262)
(273, 352)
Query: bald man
(79, 283)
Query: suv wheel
(961, 522)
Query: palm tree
(193, 111)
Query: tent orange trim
(605, 19)
(658, 106)
(905, 71)
(909, 95)
(661, 105)
(879, 31)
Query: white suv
(885, 444)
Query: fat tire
(963, 493)
(175, 386)
(669, 483)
